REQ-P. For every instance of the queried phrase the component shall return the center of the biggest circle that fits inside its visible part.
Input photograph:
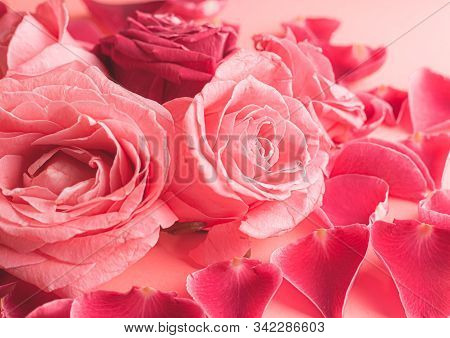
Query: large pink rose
(33, 43)
(248, 151)
(163, 57)
(83, 165)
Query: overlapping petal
(240, 288)
(352, 198)
(417, 256)
(435, 209)
(137, 303)
(401, 168)
(323, 265)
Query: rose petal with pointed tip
(417, 256)
(353, 198)
(429, 101)
(241, 288)
(137, 303)
(401, 173)
(223, 242)
(323, 265)
(435, 209)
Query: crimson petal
(223, 242)
(241, 288)
(137, 303)
(323, 265)
(353, 198)
(436, 209)
(417, 256)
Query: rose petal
(195, 9)
(323, 265)
(434, 150)
(59, 308)
(417, 256)
(137, 303)
(240, 288)
(435, 209)
(403, 176)
(352, 198)
(396, 98)
(223, 242)
(429, 101)
(85, 30)
(313, 29)
(354, 62)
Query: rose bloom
(51, 45)
(247, 150)
(163, 57)
(84, 162)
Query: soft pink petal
(137, 303)
(417, 256)
(223, 242)
(353, 198)
(240, 288)
(435, 209)
(429, 101)
(195, 9)
(323, 265)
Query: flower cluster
(155, 122)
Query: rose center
(57, 172)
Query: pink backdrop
(382, 22)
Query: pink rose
(84, 163)
(342, 113)
(248, 151)
(162, 57)
(51, 45)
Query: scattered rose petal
(223, 242)
(352, 63)
(435, 209)
(434, 150)
(351, 199)
(83, 29)
(323, 265)
(396, 98)
(59, 308)
(381, 159)
(429, 101)
(417, 256)
(241, 288)
(137, 303)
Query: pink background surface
(382, 22)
